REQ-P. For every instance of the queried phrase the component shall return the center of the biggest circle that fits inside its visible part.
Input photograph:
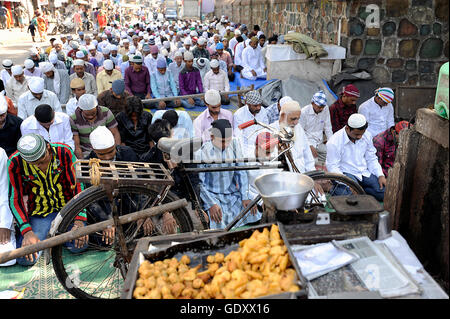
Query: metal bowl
(284, 190)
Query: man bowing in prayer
(225, 193)
(57, 81)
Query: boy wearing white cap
(217, 79)
(31, 69)
(350, 151)
(107, 76)
(37, 95)
(17, 84)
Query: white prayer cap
(166, 44)
(285, 99)
(356, 120)
(201, 40)
(178, 53)
(58, 42)
(79, 54)
(34, 51)
(106, 50)
(78, 62)
(108, 65)
(53, 58)
(3, 104)
(291, 106)
(87, 102)
(188, 41)
(101, 138)
(29, 64)
(164, 52)
(188, 56)
(91, 47)
(16, 70)
(113, 47)
(36, 84)
(237, 32)
(125, 41)
(132, 49)
(46, 67)
(214, 63)
(212, 97)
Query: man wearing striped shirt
(44, 173)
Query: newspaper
(376, 270)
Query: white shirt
(27, 103)
(71, 106)
(301, 152)
(37, 72)
(6, 217)
(252, 59)
(217, 82)
(247, 136)
(150, 62)
(238, 53)
(379, 118)
(315, 124)
(59, 132)
(15, 89)
(358, 159)
(232, 44)
(5, 76)
(184, 127)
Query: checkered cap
(253, 98)
(319, 98)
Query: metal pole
(80, 232)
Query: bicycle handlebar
(247, 124)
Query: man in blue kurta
(226, 193)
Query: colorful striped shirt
(83, 128)
(47, 192)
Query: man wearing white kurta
(253, 62)
(53, 126)
(251, 111)
(315, 121)
(37, 95)
(17, 84)
(301, 152)
(7, 237)
(350, 151)
(378, 111)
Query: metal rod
(242, 214)
(230, 160)
(231, 168)
(80, 232)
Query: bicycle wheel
(98, 271)
(333, 184)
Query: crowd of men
(84, 97)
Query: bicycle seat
(180, 149)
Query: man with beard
(345, 106)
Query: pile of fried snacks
(259, 267)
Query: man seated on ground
(175, 68)
(151, 59)
(114, 98)
(29, 170)
(88, 79)
(202, 123)
(252, 61)
(202, 65)
(133, 125)
(301, 152)
(315, 121)
(378, 111)
(53, 126)
(200, 50)
(7, 234)
(57, 81)
(224, 194)
(252, 110)
(78, 89)
(345, 106)
(87, 117)
(180, 121)
(137, 79)
(37, 95)
(107, 76)
(9, 128)
(163, 85)
(386, 144)
(350, 151)
(17, 84)
(226, 57)
(217, 79)
(190, 82)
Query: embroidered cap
(31, 147)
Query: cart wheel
(330, 182)
(98, 270)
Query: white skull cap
(87, 102)
(101, 138)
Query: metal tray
(198, 250)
